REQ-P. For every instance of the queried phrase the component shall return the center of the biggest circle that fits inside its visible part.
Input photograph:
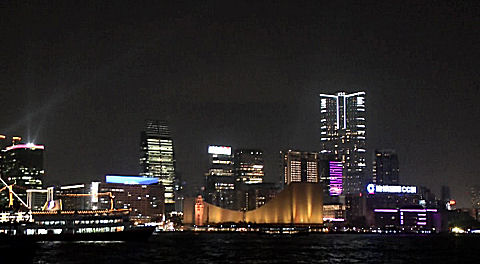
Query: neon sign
(336, 178)
(373, 188)
(220, 150)
(130, 179)
(25, 146)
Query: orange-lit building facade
(297, 204)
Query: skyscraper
(445, 193)
(22, 167)
(300, 166)
(248, 165)
(3, 140)
(220, 179)
(343, 129)
(385, 167)
(475, 198)
(157, 158)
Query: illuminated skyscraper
(3, 140)
(475, 198)
(157, 158)
(220, 178)
(248, 165)
(385, 167)
(300, 166)
(342, 122)
(22, 166)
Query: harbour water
(258, 248)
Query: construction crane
(11, 193)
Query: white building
(343, 135)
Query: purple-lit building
(400, 207)
(332, 176)
(391, 196)
(343, 135)
(408, 219)
(335, 183)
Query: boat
(54, 224)
(285, 230)
(101, 225)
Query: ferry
(99, 225)
(54, 224)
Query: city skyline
(84, 79)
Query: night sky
(81, 79)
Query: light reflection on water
(257, 248)
(99, 242)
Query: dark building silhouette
(385, 167)
(253, 196)
(475, 199)
(445, 193)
